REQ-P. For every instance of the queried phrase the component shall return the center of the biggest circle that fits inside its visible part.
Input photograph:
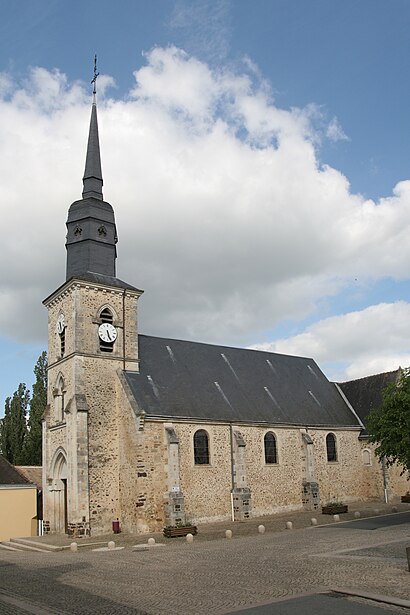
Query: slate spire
(92, 180)
(91, 231)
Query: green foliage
(20, 440)
(33, 441)
(5, 444)
(18, 427)
(389, 425)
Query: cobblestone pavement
(209, 576)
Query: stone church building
(156, 432)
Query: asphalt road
(334, 603)
(376, 523)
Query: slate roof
(218, 383)
(366, 393)
(107, 280)
(9, 475)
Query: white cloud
(368, 341)
(335, 132)
(225, 214)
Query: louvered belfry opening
(62, 341)
(106, 316)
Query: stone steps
(25, 544)
(13, 546)
(7, 546)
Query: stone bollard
(313, 521)
(289, 525)
(74, 547)
(394, 509)
(228, 534)
(408, 557)
(357, 514)
(261, 529)
(336, 518)
(111, 544)
(151, 541)
(190, 538)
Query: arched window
(366, 455)
(106, 316)
(201, 447)
(331, 447)
(271, 453)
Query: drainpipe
(232, 470)
(123, 330)
(384, 472)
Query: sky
(256, 154)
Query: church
(156, 432)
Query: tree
(21, 440)
(389, 425)
(33, 440)
(18, 427)
(5, 446)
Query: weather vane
(94, 79)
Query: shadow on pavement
(40, 590)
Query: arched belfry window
(201, 447)
(331, 449)
(271, 450)
(61, 332)
(62, 342)
(106, 315)
(106, 345)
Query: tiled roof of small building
(217, 383)
(33, 474)
(9, 475)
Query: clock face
(60, 323)
(107, 332)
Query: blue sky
(337, 72)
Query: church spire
(91, 231)
(92, 180)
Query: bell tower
(92, 336)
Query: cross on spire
(94, 79)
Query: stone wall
(142, 472)
(273, 487)
(88, 430)
(207, 488)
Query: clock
(60, 324)
(107, 332)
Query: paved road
(333, 603)
(376, 523)
(212, 577)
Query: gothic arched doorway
(59, 493)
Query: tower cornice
(105, 284)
